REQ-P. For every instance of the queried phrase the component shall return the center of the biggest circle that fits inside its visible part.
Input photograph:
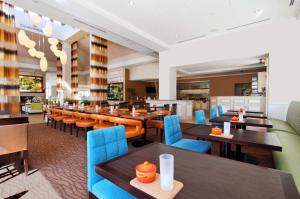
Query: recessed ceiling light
(131, 3)
(258, 11)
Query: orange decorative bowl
(234, 119)
(146, 172)
(216, 131)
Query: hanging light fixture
(36, 19)
(22, 37)
(39, 54)
(53, 41)
(48, 29)
(63, 57)
(43, 64)
(32, 52)
(29, 43)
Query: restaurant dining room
(149, 99)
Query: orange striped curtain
(59, 71)
(9, 72)
(74, 70)
(98, 70)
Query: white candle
(166, 162)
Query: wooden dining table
(258, 122)
(240, 138)
(247, 115)
(248, 111)
(203, 175)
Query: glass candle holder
(166, 162)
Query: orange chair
(102, 121)
(51, 116)
(158, 123)
(133, 128)
(69, 120)
(83, 121)
(59, 118)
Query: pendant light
(32, 52)
(53, 41)
(22, 37)
(43, 64)
(48, 29)
(63, 57)
(39, 54)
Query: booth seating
(83, 121)
(101, 121)
(133, 128)
(288, 133)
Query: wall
(223, 85)
(278, 38)
(144, 71)
(139, 86)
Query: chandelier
(24, 40)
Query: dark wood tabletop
(13, 119)
(249, 111)
(247, 121)
(251, 115)
(240, 136)
(203, 176)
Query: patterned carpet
(61, 157)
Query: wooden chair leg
(85, 133)
(47, 121)
(55, 124)
(71, 128)
(65, 127)
(77, 131)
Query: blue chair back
(103, 145)
(212, 112)
(172, 129)
(200, 117)
(220, 110)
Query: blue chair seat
(193, 145)
(106, 189)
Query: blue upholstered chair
(213, 114)
(103, 145)
(220, 110)
(173, 137)
(200, 117)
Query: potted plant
(131, 94)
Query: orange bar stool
(158, 123)
(101, 121)
(50, 117)
(69, 120)
(133, 128)
(83, 121)
(59, 118)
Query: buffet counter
(252, 103)
(184, 107)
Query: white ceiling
(223, 66)
(158, 24)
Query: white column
(67, 71)
(167, 83)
